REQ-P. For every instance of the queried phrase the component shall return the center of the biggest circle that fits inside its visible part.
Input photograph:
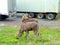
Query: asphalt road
(42, 22)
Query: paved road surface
(42, 22)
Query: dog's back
(26, 19)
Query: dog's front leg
(19, 34)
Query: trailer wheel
(3, 18)
(50, 16)
(41, 16)
(31, 15)
(0, 17)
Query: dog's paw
(17, 37)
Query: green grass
(50, 36)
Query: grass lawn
(50, 36)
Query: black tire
(41, 16)
(50, 16)
(3, 18)
(0, 17)
(31, 15)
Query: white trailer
(40, 8)
(7, 8)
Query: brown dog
(28, 25)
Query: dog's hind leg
(27, 34)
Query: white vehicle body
(4, 7)
(7, 8)
(37, 5)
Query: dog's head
(24, 17)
